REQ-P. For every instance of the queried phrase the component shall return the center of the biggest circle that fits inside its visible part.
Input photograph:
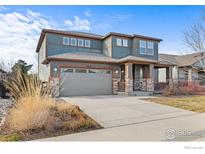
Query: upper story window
(150, 48)
(146, 48)
(87, 43)
(119, 42)
(125, 43)
(142, 47)
(80, 42)
(76, 42)
(73, 41)
(66, 40)
(122, 42)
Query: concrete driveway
(131, 119)
(115, 111)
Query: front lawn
(191, 103)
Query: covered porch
(140, 77)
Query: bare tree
(195, 37)
(195, 40)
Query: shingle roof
(73, 33)
(168, 59)
(181, 60)
(83, 56)
(97, 57)
(138, 59)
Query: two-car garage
(84, 82)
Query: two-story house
(78, 63)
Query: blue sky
(166, 22)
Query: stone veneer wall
(144, 85)
(115, 85)
(150, 85)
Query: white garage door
(83, 82)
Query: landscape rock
(5, 105)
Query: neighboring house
(188, 67)
(78, 63)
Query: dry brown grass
(21, 85)
(191, 103)
(36, 112)
(29, 113)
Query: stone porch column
(150, 81)
(128, 78)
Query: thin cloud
(2, 8)
(111, 20)
(87, 13)
(19, 34)
(78, 24)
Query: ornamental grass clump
(32, 102)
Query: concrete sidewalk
(156, 130)
(131, 119)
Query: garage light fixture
(55, 69)
(116, 71)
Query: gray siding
(107, 46)
(136, 49)
(43, 70)
(120, 51)
(55, 45)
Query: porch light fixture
(55, 69)
(122, 71)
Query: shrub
(32, 99)
(184, 88)
(22, 85)
(35, 110)
(29, 113)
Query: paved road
(131, 119)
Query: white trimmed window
(142, 47)
(80, 42)
(66, 40)
(150, 48)
(73, 41)
(87, 43)
(125, 43)
(119, 42)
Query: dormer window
(73, 42)
(66, 40)
(119, 42)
